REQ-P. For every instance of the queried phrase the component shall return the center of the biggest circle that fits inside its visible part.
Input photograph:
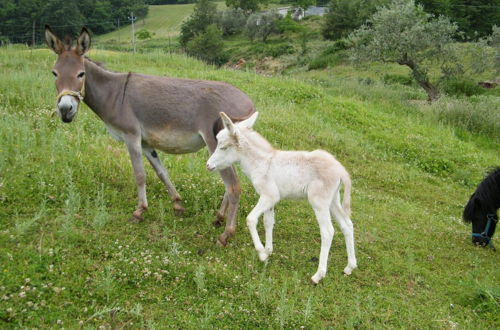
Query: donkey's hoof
(217, 223)
(136, 219)
(221, 243)
(314, 281)
(178, 210)
(263, 255)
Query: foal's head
(229, 142)
(69, 71)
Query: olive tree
(403, 33)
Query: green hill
(70, 258)
(163, 20)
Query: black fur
(483, 202)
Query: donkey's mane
(486, 197)
(99, 64)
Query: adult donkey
(149, 112)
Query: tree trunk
(421, 78)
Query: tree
(262, 25)
(403, 33)
(475, 17)
(208, 46)
(249, 6)
(344, 16)
(232, 21)
(204, 14)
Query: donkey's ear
(249, 122)
(228, 124)
(52, 41)
(83, 41)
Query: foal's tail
(346, 203)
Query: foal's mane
(257, 139)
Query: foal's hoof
(136, 219)
(178, 210)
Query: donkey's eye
(81, 74)
(224, 148)
(54, 73)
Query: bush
(208, 46)
(144, 34)
(232, 21)
(262, 25)
(461, 87)
(204, 14)
(398, 79)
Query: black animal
(481, 210)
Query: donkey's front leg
(162, 173)
(263, 205)
(133, 143)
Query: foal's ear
(249, 122)
(83, 42)
(53, 41)
(228, 124)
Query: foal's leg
(327, 231)
(269, 225)
(231, 200)
(265, 204)
(347, 228)
(162, 173)
(134, 147)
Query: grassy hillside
(70, 258)
(164, 21)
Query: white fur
(277, 174)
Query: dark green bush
(461, 87)
(398, 79)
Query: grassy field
(69, 257)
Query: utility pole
(33, 38)
(132, 18)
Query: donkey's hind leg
(162, 173)
(347, 229)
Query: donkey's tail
(346, 203)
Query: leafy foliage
(232, 21)
(262, 25)
(204, 14)
(249, 6)
(475, 18)
(344, 16)
(403, 33)
(144, 34)
(17, 17)
(208, 46)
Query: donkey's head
(484, 221)
(229, 142)
(69, 71)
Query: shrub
(461, 87)
(262, 25)
(397, 79)
(232, 21)
(208, 46)
(144, 34)
(204, 14)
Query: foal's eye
(224, 148)
(54, 73)
(81, 74)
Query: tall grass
(69, 257)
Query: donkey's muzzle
(67, 113)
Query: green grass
(70, 258)
(163, 20)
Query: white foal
(277, 174)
